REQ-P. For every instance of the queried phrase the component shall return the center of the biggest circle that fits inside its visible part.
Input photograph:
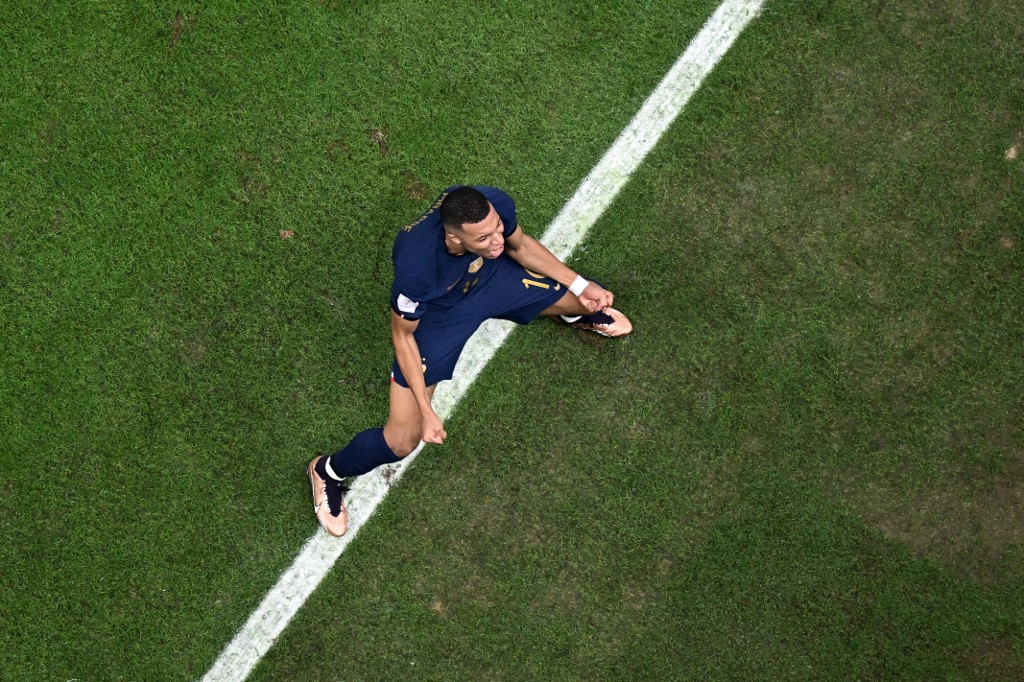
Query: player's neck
(454, 247)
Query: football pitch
(807, 462)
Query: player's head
(463, 205)
(472, 223)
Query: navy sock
(367, 451)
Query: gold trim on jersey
(437, 205)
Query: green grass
(806, 463)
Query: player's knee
(404, 443)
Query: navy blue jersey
(427, 277)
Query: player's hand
(596, 298)
(433, 429)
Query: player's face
(485, 238)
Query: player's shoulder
(429, 218)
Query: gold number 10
(528, 282)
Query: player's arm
(407, 352)
(534, 256)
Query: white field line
(566, 231)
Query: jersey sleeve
(410, 289)
(408, 300)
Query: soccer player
(462, 262)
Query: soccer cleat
(609, 322)
(328, 502)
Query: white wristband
(578, 285)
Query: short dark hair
(463, 205)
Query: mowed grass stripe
(810, 470)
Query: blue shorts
(512, 293)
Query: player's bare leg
(569, 310)
(403, 428)
(368, 450)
